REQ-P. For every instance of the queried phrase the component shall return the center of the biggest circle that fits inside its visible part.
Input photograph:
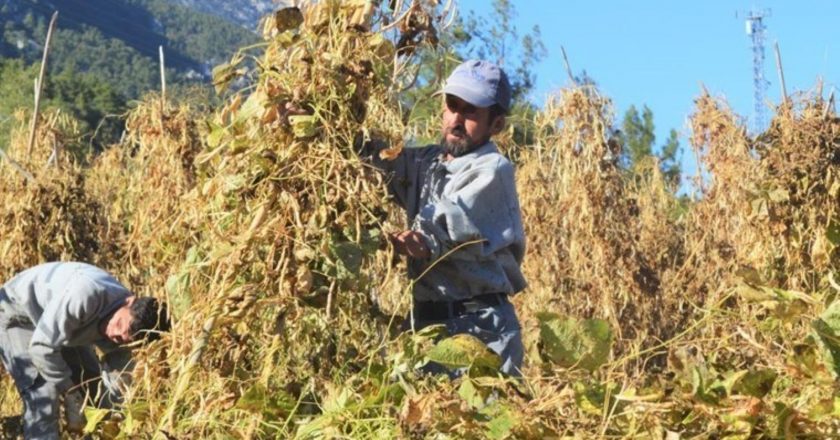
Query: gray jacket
(471, 198)
(65, 302)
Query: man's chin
(456, 148)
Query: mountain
(118, 40)
(246, 13)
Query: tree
(638, 140)
(84, 96)
(16, 91)
(91, 101)
(496, 38)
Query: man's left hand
(74, 404)
(410, 243)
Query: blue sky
(657, 52)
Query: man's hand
(410, 243)
(292, 109)
(74, 404)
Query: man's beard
(461, 146)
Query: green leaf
(731, 379)
(833, 232)
(701, 388)
(217, 133)
(178, 284)
(780, 425)
(303, 126)
(257, 400)
(464, 351)
(135, 414)
(371, 240)
(787, 305)
(501, 426)
(94, 417)
(348, 258)
(470, 393)
(338, 400)
(756, 383)
(826, 333)
(571, 343)
(591, 397)
(808, 359)
(225, 73)
(826, 409)
(252, 109)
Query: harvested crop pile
(264, 237)
(144, 181)
(47, 213)
(596, 242)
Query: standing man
(466, 242)
(51, 317)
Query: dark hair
(496, 110)
(150, 318)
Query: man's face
(465, 126)
(118, 328)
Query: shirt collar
(458, 163)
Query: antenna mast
(756, 30)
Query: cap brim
(472, 96)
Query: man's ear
(498, 125)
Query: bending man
(51, 318)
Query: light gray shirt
(467, 210)
(65, 302)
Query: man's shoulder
(492, 159)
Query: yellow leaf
(94, 416)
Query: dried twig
(40, 85)
(29, 177)
(568, 66)
(162, 80)
(781, 72)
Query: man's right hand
(74, 404)
(292, 109)
(410, 243)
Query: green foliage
(83, 96)
(638, 139)
(826, 333)
(16, 92)
(105, 52)
(592, 397)
(497, 38)
(93, 102)
(273, 404)
(571, 343)
(494, 38)
(117, 40)
(465, 351)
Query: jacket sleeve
(480, 210)
(117, 366)
(403, 172)
(76, 307)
